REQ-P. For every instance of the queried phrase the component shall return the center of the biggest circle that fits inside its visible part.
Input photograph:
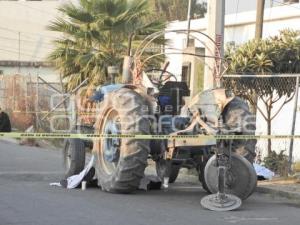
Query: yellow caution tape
(54, 112)
(140, 136)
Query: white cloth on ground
(263, 171)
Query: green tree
(275, 55)
(96, 34)
(177, 9)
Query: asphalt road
(27, 199)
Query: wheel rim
(110, 147)
(240, 177)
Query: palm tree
(97, 34)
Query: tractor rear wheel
(236, 115)
(120, 163)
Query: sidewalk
(281, 188)
(10, 140)
(38, 143)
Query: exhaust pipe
(126, 73)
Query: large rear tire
(237, 115)
(121, 163)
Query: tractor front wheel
(240, 175)
(74, 156)
(161, 167)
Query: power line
(24, 21)
(33, 8)
(16, 52)
(28, 33)
(25, 47)
(23, 40)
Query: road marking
(235, 219)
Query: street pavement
(27, 199)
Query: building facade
(25, 41)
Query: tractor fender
(103, 91)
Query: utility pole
(290, 158)
(260, 8)
(37, 104)
(189, 23)
(19, 52)
(215, 29)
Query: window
(186, 73)
(191, 42)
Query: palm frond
(95, 35)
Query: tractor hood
(211, 103)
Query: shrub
(278, 163)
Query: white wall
(27, 21)
(281, 125)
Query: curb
(46, 145)
(279, 193)
(40, 144)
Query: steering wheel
(163, 72)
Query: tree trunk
(269, 122)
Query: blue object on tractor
(101, 91)
(164, 100)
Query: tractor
(157, 107)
